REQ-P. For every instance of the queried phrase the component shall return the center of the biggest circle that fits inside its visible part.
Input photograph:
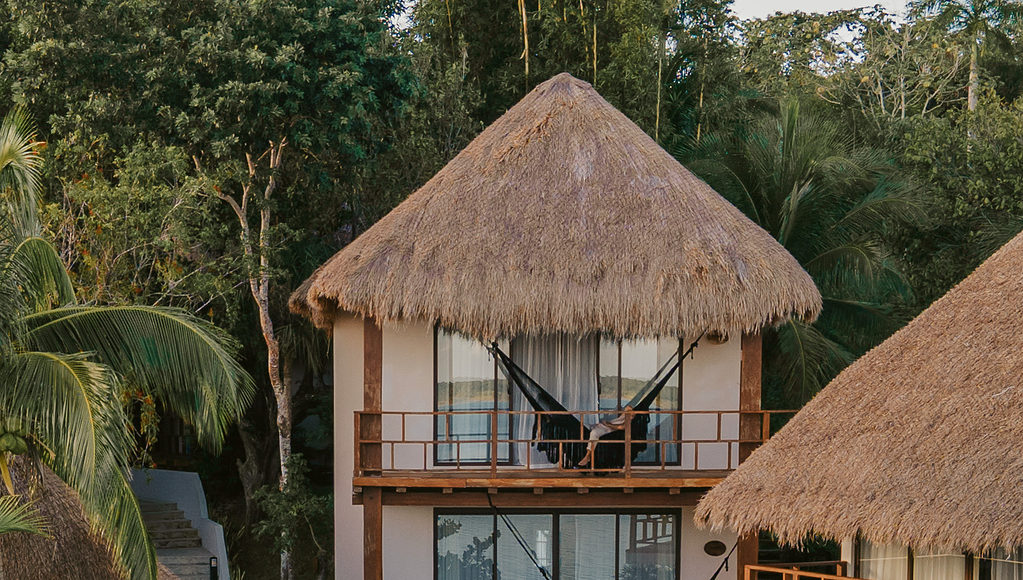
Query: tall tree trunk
(971, 91)
(257, 251)
(525, 38)
(660, 66)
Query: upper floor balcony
(499, 448)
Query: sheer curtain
(939, 566)
(883, 562)
(566, 367)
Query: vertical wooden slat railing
(493, 443)
(793, 572)
(371, 444)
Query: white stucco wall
(408, 386)
(408, 543)
(710, 382)
(697, 564)
(348, 365)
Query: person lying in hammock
(602, 428)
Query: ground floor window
(560, 545)
(895, 562)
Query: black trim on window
(555, 547)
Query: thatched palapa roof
(71, 551)
(916, 443)
(564, 216)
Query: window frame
(509, 460)
(437, 462)
(555, 514)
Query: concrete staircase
(177, 543)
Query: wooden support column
(371, 453)
(372, 534)
(749, 394)
(746, 553)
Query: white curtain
(939, 566)
(566, 367)
(883, 562)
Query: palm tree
(977, 21)
(828, 203)
(64, 366)
(16, 516)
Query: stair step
(174, 533)
(191, 569)
(163, 515)
(153, 506)
(167, 525)
(177, 543)
(189, 556)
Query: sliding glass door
(557, 545)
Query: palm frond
(71, 404)
(19, 159)
(184, 361)
(805, 359)
(114, 512)
(16, 516)
(44, 279)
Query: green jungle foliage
(884, 153)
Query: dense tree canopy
(830, 130)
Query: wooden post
(746, 553)
(372, 403)
(372, 534)
(371, 453)
(749, 394)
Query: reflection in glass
(587, 550)
(625, 368)
(526, 544)
(646, 547)
(465, 547)
(467, 381)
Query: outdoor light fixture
(214, 574)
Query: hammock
(550, 428)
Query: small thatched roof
(918, 442)
(564, 216)
(71, 552)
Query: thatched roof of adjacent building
(918, 442)
(564, 216)
(71, 552)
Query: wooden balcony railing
(492, 441)
(797, 571)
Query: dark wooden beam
(372, 535)
(371, 453)
(372, 396)
(749, 393)
(746, 553)
(527, 499)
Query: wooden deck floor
(542, 479)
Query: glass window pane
(939, 566)
(608, 379)
(883, 562)
(466, 383)
(641, 359)
(524, 545)
(587, 547)
(465, 547)
(646, 547)
(1002, 565)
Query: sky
(761, 8)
